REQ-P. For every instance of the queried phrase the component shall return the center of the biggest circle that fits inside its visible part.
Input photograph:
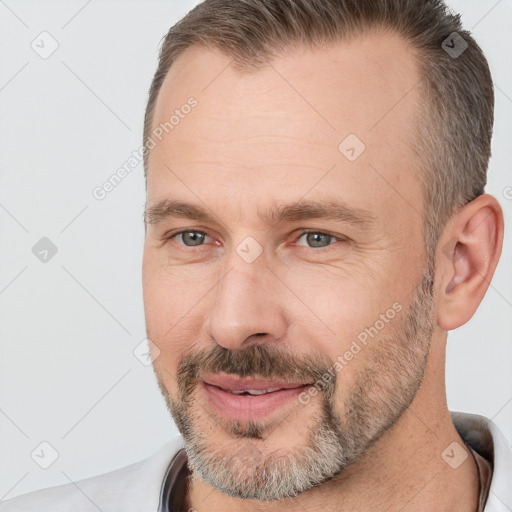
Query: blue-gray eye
(317, 239)
(192, 238)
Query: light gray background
(68, 327)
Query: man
(316, 222)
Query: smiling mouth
(254, 392)
(238, 385)
(249, 399)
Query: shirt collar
(486, 439)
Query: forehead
(292, 127)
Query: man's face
(267, 292)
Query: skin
(259, 140)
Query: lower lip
(249, 407)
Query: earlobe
(468, 254)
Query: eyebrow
(298, 211)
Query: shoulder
(132, 488)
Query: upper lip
(234, 383)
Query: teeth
(253, 391)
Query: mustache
(258, 360)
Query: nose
(246, 307)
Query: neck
(404, 470)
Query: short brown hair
(454, 120)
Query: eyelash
(302, 233)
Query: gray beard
(385, 386)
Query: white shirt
(139, 487)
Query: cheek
(165, 371)
(172, 350)
(345, 321)
(173, 322)
(339, 307)
(172, 297)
